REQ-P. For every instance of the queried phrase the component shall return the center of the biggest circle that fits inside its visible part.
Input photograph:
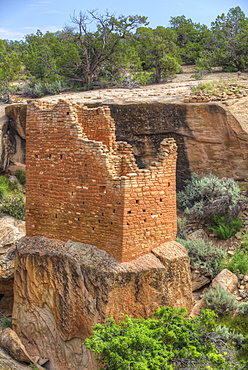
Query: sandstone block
(63, 289)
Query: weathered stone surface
(227, 280)
(13, 136)
(8, 363)
(10, 341)
(198, 234)
(11, 231)
(84, 186)
(199, 280)
(62, 289)
(209, 137)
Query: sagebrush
(206, 196)
(204, 254)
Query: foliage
(190, 37)
(79, 54)
(204, 254)
(5, 322)
(243, 308)
(157, 50)
(203, 197)
(21, 177)
(226, 44)
(238, 263)
(39, 89)
(229, 335)
(220, 301)
(224, 228)
(167, 341)
(219, 87)
(14, 205)
(239, 324)
(12, 198)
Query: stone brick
(85, 186)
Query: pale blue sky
(22, 17)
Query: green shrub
(4, 186)
(204, 197)
(39, 89)
(238, 323)
(243, 308)
(5, 322)
(229, 335)
(14, 205)
(238, 264)
(204, 254)
(21, 176)
(167, 341)
(220, 301)
(7, 186)
(224, 228)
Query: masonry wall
(84, 186)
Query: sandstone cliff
(62, 289)
(208, 136)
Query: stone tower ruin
(83, 185)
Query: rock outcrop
(13, 135)
(11, 231)
(62, 289)
(208, 136)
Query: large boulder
(63, 289)
(226, 280)
(11, 231)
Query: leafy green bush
(224, 228)
(229, 335)
(39, 89)
(204, 197)
(14, 205)
(239, 323)
(167, 341)
(238, 264)
(4, 186)
(21, 176)
(243, 308)
(220, 301)
(204, 254)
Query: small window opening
(168, 184)
(61, 156)
(129, 212)
(36, 155)
(72, 193)
(50, 155)
(93, 228)
(78, 219)
(67, 113)
(99, 221)
(144, 219)
(144, 210)
(137, 201)
(102, 189)
(111, 223)
(102, 214)
(56, 216)
(161, 200)
(127, 224)
(113, 210)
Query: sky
(23, 17)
